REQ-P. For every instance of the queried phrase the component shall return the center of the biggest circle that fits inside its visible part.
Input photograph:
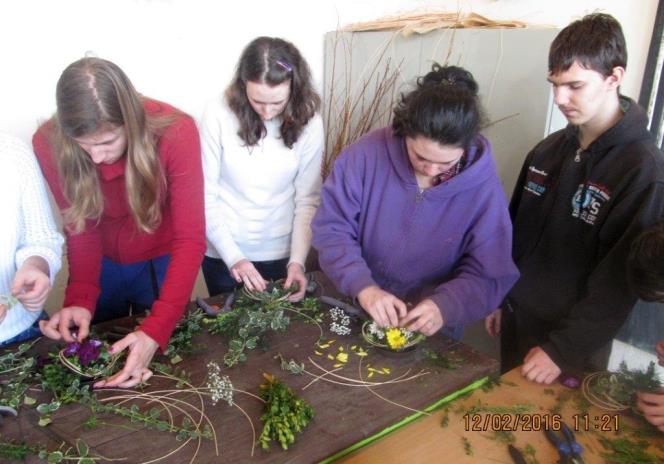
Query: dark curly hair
(595, 41)
(443, 107)
(272, 61)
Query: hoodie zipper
(420, 195)
(577, 158)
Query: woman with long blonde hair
(126, 173)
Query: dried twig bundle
(423, 22)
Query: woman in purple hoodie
(416, 213)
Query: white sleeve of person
(307, 188)
(28, 226)
(216, 232)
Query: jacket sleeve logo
(536, 181)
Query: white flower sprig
(220, 386)
(376, 331)
(379, 332)
(340, 321)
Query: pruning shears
(568, 448)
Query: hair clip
(447, 81)
(287, 67)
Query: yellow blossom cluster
(395, 338)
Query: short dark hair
(595, 41)
(645, 264)
(443, 107)
(273, 61)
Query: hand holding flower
(141, 350)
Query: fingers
(141, 349)
(257, 281)
(83, 329)
(301, 290)
(401, 308)
(378, 316)
(63, 328)
(122, 344)
(415, 320)
(34, 298)
(50, 328)
(125, 378)
(297, 277)
(424, 318)
(538, 367)
(530, 371)
(246, 273)
(3, 312)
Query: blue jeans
(28, 334)
(129, 287)
(219, 280)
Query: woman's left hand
(141, 350)
(295, 275)
(427, 317)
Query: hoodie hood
(632, 127)
(479, 167)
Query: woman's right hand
(244, 271)
(60, 324)
(383, 307)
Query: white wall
(184, 51)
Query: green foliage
(504, 436)
(626, 451)
(623, 385)
(490, 384)
(530, 453)
(17, 369)
(445, 420)
(249, 320)
(63, 383)
(467, 447)
(150, 419)
(285, 414)
(16, 451)
(21, 451)
(291, 366)
(254, 315)
(13, 360)
(182, 376)
(480, 407)
(180, 342)
(450, 361)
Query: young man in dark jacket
(583, 194)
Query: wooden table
(428, 441)
(344, 415)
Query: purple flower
(570, 381)
(89, 352)
(72, 349)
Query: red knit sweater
(180, 234)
